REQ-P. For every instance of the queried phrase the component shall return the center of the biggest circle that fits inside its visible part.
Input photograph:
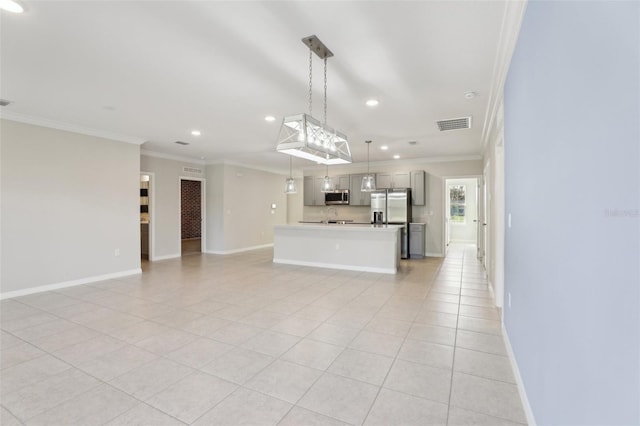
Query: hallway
(235, 339)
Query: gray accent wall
(572, 164)
(68, 202)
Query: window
(457, 196)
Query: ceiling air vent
(454, 124)
(182, 143)
(192, 170)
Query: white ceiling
(155, 70)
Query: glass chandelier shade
(303, 136)
(290, 183)
(368, 181)
(327, 183)
(290, 186)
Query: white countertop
(364, 227)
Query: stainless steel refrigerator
(393, 206)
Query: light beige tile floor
(226, 340)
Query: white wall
(465, 232)
(238, 205)
(494, 167)
(166, 214)
(431, 213)
(295, 203)
(247, 217)
(215, 208)
(68, 202)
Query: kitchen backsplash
(355, 213)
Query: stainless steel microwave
(337, 197)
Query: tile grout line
(455, 341)
(399, 349)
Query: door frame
(487, 179)
(203, 212)
(446, 211)
(152, 214)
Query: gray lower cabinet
(417, 233)
(357, 197)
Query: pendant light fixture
(368, 181)
(303, 136)
(290, 183)
(327, 183)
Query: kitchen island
(355, 247)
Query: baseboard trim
(336, 266)
(65, 284)
(240, 250)
(531, 421)
(432, 254)
(165, 257)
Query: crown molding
(509, 31)
(273, 170)
(173, 157)
(52, 124)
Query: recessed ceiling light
(395, 157)
(384, 147)
(196, 132)
(11, 6)
(182, 143)
(4, 102)
(413, 142)
(269, 118)
(372, 102)
(470, 95)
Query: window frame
(458, 203)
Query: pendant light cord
(310, 81)
(325, 91)
(290, 167)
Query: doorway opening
(191, 214)
(145, 215)
(462, 201)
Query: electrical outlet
(509, 300)
(116, 252)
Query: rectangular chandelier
(303, 136)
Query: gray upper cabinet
(402, 180)
(384, 180)
(357, 197)
(418, 195)
(342, 182)
(313, 196)
(393, 180)
(309, 191)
